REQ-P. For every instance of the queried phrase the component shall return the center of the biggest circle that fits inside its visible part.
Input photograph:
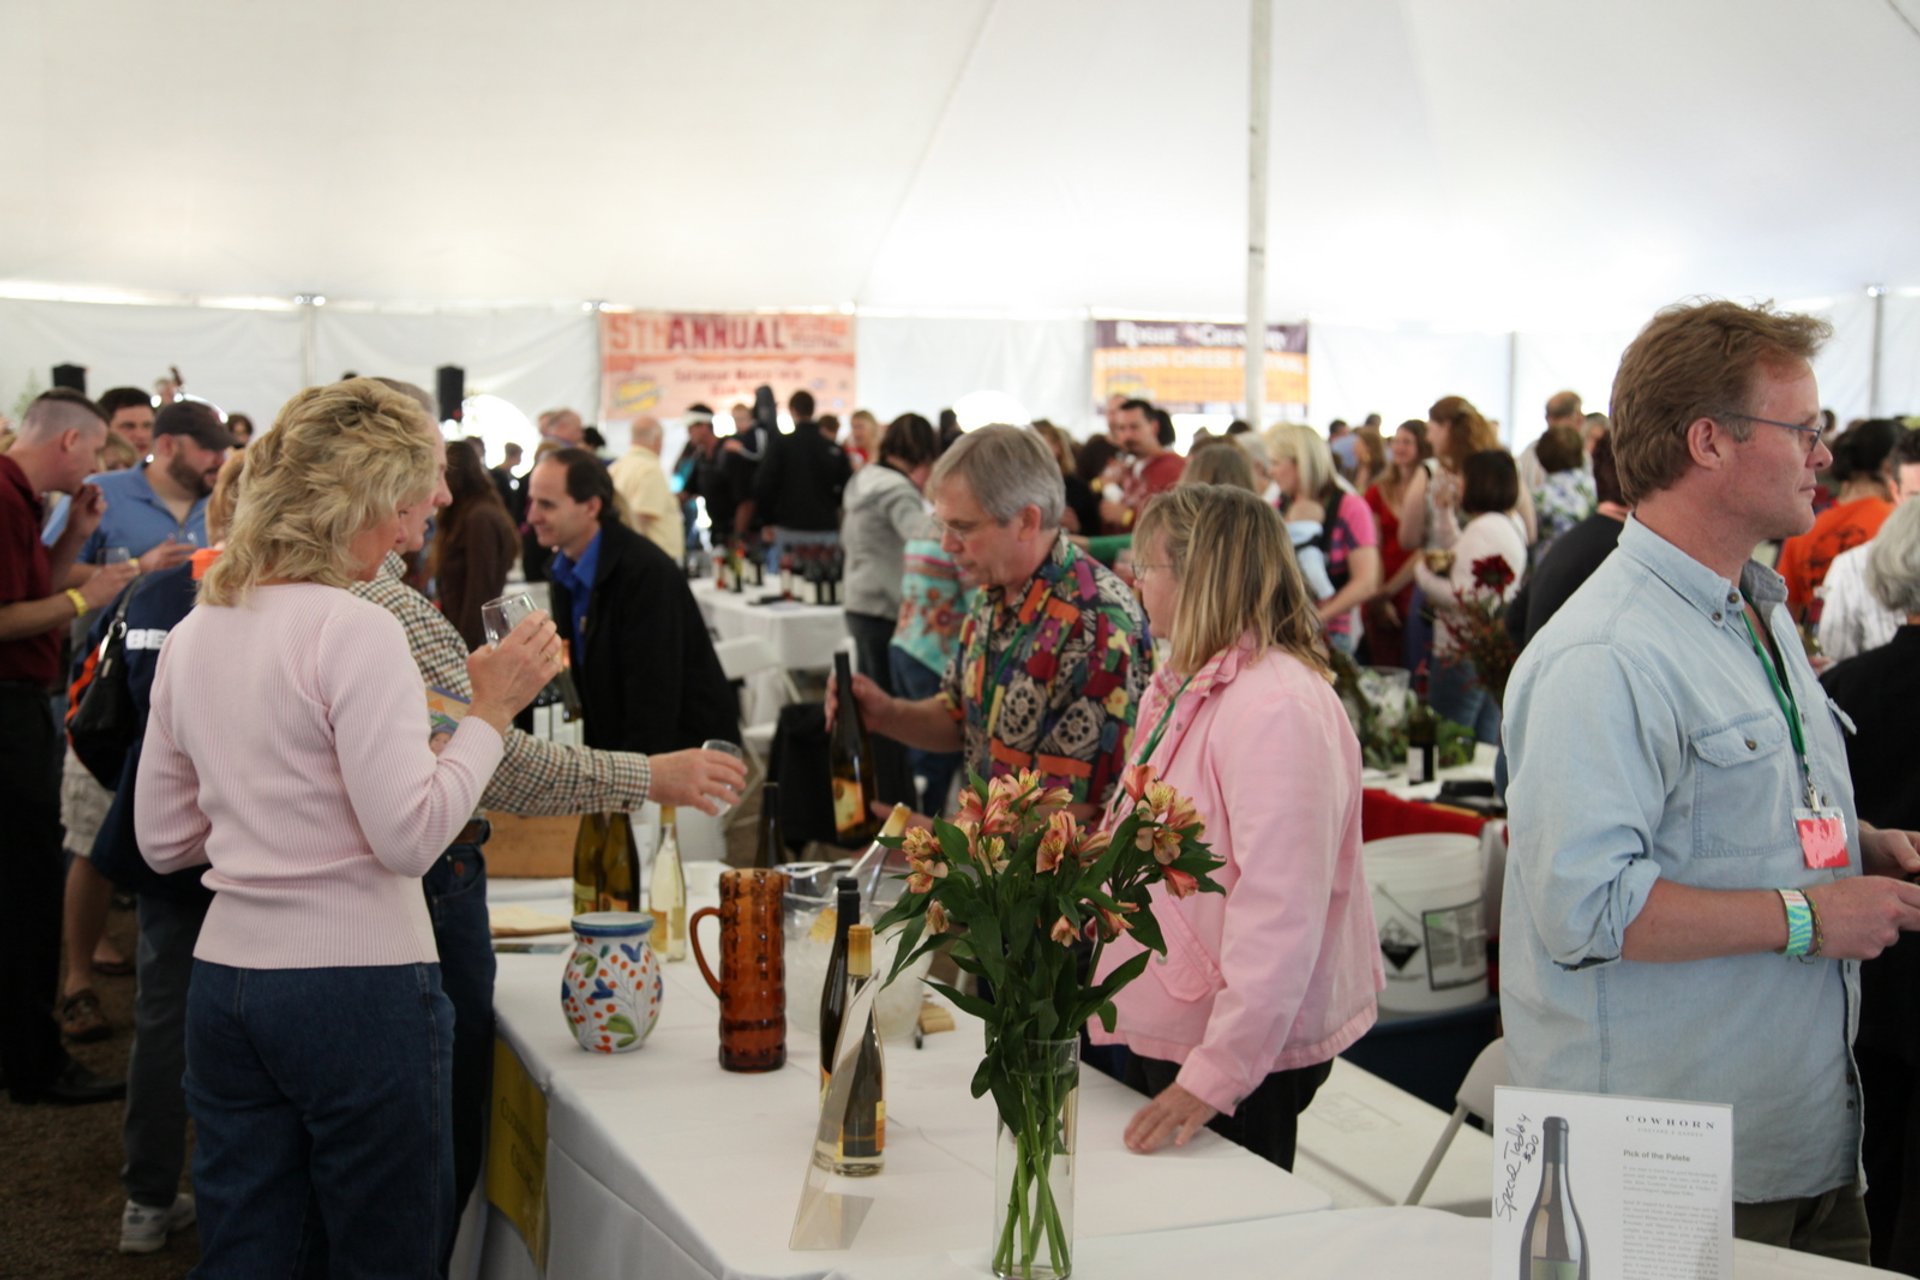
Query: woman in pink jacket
(1238, 1024)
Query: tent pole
(1259, 97)
(1877, 294)
(307, 354)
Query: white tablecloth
(803, 636)
(1364, 1141)
(1426, 1243)
(661, 1164)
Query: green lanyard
(1783, 694)
(1160, 730)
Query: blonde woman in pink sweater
(1237, 1026)
(287, 750)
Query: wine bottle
(667, 892)
(771, 851)
(619, 866)
(587, 882)
(850, 762)
(1554, 1244)
(786, 575)
(861, 1149)
(833, 992)
(1423, 733)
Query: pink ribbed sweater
(287, 746)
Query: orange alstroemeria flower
(1179, 883)
(1063, 932)
(937, 919)
(1055, 843)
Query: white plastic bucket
(1428, 907)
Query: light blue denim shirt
(1646, 743)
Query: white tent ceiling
(1475, 163)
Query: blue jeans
(914, 680)
(1453, 690)
(456, 889)
(319, 1099)
(154, 1132)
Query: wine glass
(728, 748)
(501, 616)
(116, 555)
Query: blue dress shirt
(1647, 744)
(577, 578)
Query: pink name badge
(1823, 837)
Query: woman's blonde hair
(339, 459)
(1235, 566)
(1307, 450)
(225, 496)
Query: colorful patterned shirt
(932, 601)
(536, 776)
(1048, 677)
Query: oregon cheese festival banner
(660, 362)
(1196, 367)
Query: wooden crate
(531, 848)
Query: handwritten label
(1519, 1142)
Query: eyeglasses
(965, 529)
(1811, 434)
(1139, 568)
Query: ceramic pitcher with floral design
(612, 987)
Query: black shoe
(75, 1086)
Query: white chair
(751, 659)
(1488, 1072)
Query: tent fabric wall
(539, 357)
(535, 358)
(925, 363)
(1398, 374)
(243, 361)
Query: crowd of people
(1710, 801)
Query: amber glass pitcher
(752, 985)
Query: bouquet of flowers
(1479, 625)
(1022, 891)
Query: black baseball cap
(197, 419)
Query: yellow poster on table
(662, 362)
(517, 1151)
(1197, 366)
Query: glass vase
(1033, 1163)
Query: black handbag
(101, 719)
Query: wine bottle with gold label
(834, 992)
(850, 762)
(861, 1149)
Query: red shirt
(24, 575)
(1156, 475)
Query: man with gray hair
(1054, 656)
(646, 501)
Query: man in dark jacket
(797, 493)
(647, 674)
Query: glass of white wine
(728, 748)
(501, 616)
(116, 555)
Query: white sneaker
(144, 1230)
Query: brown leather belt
(475, 832)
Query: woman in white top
(1489, 490)
(287, 749)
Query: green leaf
(620, 1024)
(987, 945)
(588, 966)
(1107, 1014)
(953, 843)
(904, 956)
(982, 1076)
(910, 904)
(972, 1004)
(624, 1041)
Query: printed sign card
(1600, 1187)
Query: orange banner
(660, 362)
(1186, 367)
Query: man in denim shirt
(1667, 933)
